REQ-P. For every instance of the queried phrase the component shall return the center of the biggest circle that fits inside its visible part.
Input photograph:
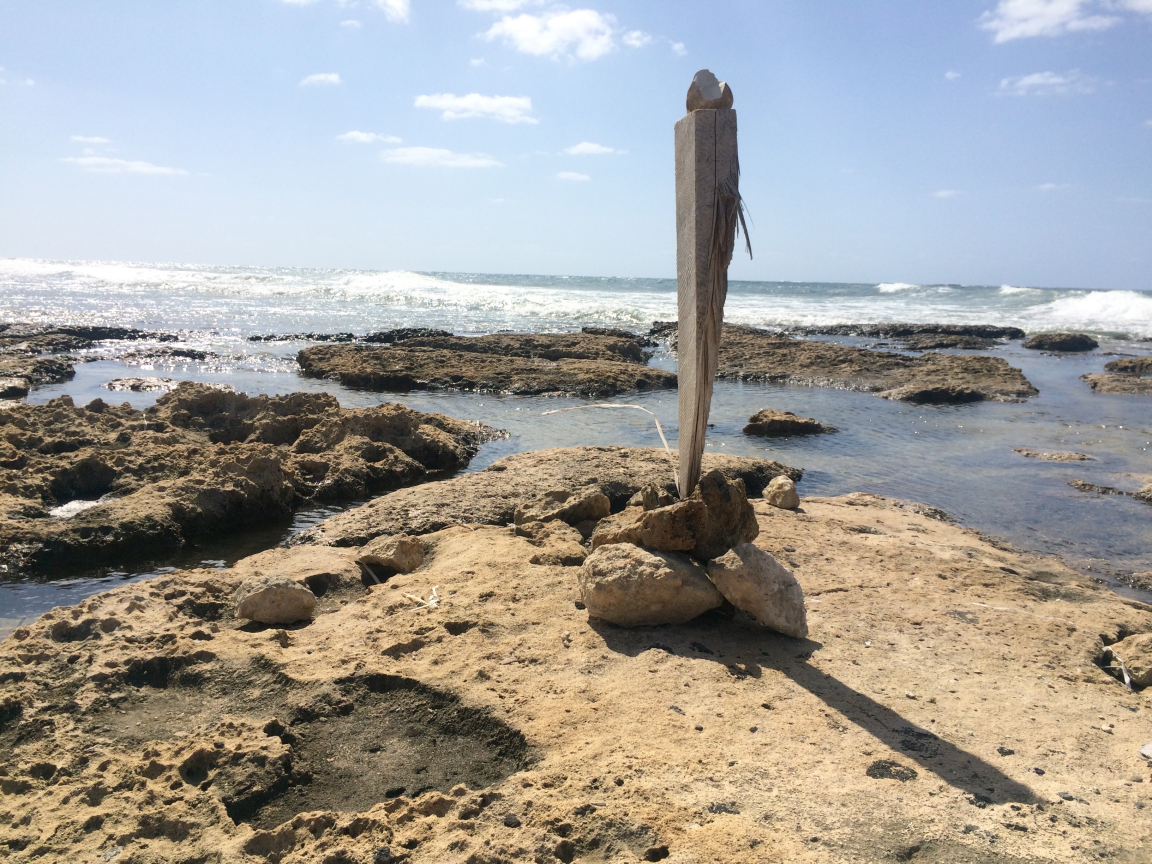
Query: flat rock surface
(905, 331)
(747, 354)
(1062, 342)
(1107, 382)
(407, 366)
(1141, 366)
(946, 706)
(1054, 456)
(491, 496)
(778, 424)
(202, 461)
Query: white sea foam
(894, 287)
(1014, 289)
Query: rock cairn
(662, 561)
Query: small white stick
(659, 428)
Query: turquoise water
(957, 458)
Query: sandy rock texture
(755, 582)
(526, 481)
(1129, 385)
(778, 424)
(781, 492)
(1062, 342)
(629, 586)
(201, 461)
(747, 354)
(907, 332)
(947, 706)
(587, 364)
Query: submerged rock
(274, 599)
(141, 385)
(781, 492)
(1062, 342)
(1055, 456)
(755, 582)
(629, 586)
(777, 424)
(201, 462)
(1128, 385)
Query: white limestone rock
(706, 92)
(631, 587)
(393, 554)
(274, 599)
(781, 492)
(752, 580)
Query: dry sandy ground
(946, 708)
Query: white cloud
(1051, 187)
(1148, 124)
(1046, 84)
(946, 193)
(495, 5)
(573, 177)
(87, 139)
(582, 33)
(478, 61)
(1023, 19)
(320, 79)
(636, 38)
(951, 76)
(436, 158)
(1144, 6)
(587, 148)
(367, 138)
(351, 24)
(395, 10)
(508, 109)
(106, 165)
(678, 49)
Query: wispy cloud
(90, 139)
(507, 109)
(1051, 187)
(1024, 19)
(497, 5)
(587, 148)
(1148, 124)
(435, 158)
(951, 75)
(351, 24)
(573, 177)
(106, 165)
(320, 79)
(636, 38)
(678, 49)
(367, 138)
(583, 34)
(946, 193)
(1047, 84)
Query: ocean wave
(895, 287)
(1099, 311)
(1013, 289)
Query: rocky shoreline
(81, 486)
(954, 700)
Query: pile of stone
(662, 561)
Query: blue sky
(894, 140)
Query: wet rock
(141, 385)
(491, 496)
(200, 462)
(781, 492)
(397, 554)
(559, 544)
(755, 582)
(1128, 385)
(14, 388)
(274, 599)
(1062, 342)
(667, 529)
(407, 366)
(934, 395)
(320, 568)
(36, 371)
(931, 341)
(1136, 652)
(729, 519)
(631, 587)
(1139, 366)
(564, 504)
(905, 331)
(777, 424)
(747, 354)
(1054, 456)
(590, 344)
(652, 496)
(166, 355)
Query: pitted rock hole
(387, 736)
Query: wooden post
(708, 210)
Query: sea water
(956, 458)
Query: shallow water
(957, 458)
